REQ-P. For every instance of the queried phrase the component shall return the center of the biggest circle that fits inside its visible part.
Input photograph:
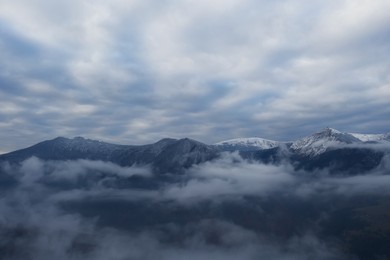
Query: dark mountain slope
(166, 155)
(62, 148)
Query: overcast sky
(135, 71)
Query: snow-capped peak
(250, 143)
(330, 131)
(320, 142)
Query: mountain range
(323, 196)
(346, 153)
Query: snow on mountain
(372, 137)
(320, 142)
(168, 155)
(248, 144)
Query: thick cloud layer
(35, 224)
(136, 71)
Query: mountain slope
(166, 155)
(62, 148)
(182, 154)
(372, 137)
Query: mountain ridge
(327, 147)
(248, 144)
(159, 154)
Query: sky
(136, 71)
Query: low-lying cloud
(34, 224)
(231, 175)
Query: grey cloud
(205, 70)
(65, 235)
(374, 183)
(229, 176)
(33, 170)
(219, 180)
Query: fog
(35, 224)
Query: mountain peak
(320, 142)
(182, 154)
(330, 131)
(166, 140)
(65, 139)
(59, 138)
(187, 139)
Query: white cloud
(231, 176)
(155, 69)
(46, 231)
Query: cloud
(31, 230)
(229, 176)
(207, 212)
(137, 71)
(77, 174)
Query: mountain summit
(321, 141)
